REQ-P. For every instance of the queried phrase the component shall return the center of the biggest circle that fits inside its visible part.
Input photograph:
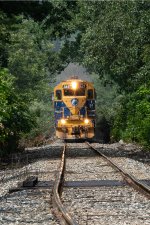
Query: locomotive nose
(76, 104)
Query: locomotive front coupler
(83, 128)
(64, 129)
(75, 130)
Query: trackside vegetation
(113, 42)
(109, 38)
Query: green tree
(112, 40)
(15, 117)
(30, 55)
(133, 120)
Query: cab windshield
(78, 92)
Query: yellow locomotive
(74, 109)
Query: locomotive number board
(66, 86)
(69, 86)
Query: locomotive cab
(74, 108)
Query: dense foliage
(110, 38)
(15, 116)
(27, 47)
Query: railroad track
(87, 190)
(65, 213)
(56, 193)
(131, 180)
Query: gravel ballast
(88, 205)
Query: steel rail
(56, 190)
(130, 179)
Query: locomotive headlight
(86, 121)
(74, 85)
(63, 121)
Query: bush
(133, 121)
(15, 117)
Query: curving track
(93, 189)
(88, 189)
(62, 213)
(131, 180)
